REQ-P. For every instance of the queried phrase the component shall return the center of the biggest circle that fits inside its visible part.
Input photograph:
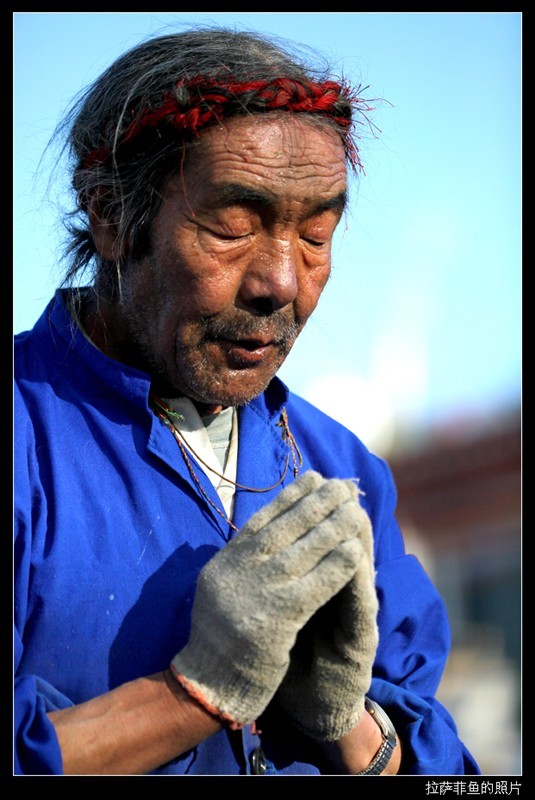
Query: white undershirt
(196, 438)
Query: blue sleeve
(413, 647)
(414, 643)
(36, 748)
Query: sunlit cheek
(319, 271)
(204, 290)
(311, 288)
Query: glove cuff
(335, 723)
(213, 679)
(194, 690)
(330, 723)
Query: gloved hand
(255, 595)
(331, 663)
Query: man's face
(240, 253)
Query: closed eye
(227, 236)
(313, 242)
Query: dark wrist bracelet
(383, 755)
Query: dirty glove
(331, 663)
(255, 595)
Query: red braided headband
(209, 102)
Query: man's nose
(270, 282)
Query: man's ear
(103, 230)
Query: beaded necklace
(166, 415)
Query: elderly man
(209, 575)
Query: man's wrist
(388, 733)
(355, 750)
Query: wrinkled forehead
(271, 150)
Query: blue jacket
(111, 534)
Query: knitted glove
(331, 663)
(255, 595)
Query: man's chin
(239, 390)
(235, 398)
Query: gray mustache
(277, 328)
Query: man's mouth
(247, 352)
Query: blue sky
(420, 323)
